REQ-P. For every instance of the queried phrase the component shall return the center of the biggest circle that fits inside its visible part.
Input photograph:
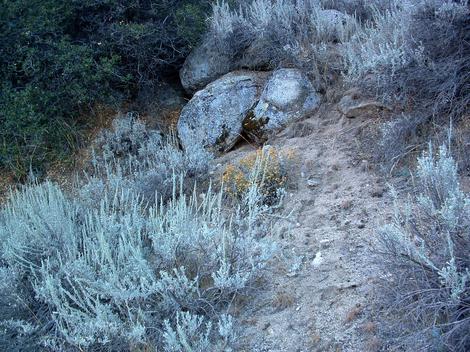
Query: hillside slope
(320, 292)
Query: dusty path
(320, 293)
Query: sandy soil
(320, 292)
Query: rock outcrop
(202, 67)
(258, 104)
(214, 117)
(288, 96)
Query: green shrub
(38, 120)
(59, 58)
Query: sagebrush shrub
(395, 140)
(263, 33)
(128, 136)
(416, 57)
(119, 275)
(132, 258)
(364, 10)
(427, 248)
(380, 47)
(130, 155)
(193, 333)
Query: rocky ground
(320, 293)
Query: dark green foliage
(59, 58)
(151, 36)
(46, 79)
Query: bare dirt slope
(320, 292)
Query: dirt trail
(320, 293)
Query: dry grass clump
(283, 300)
(268, 168)
(353, 313)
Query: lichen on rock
(288, 96)
(214, 117)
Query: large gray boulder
(288, 96)
(213, 118)
(203, 66)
